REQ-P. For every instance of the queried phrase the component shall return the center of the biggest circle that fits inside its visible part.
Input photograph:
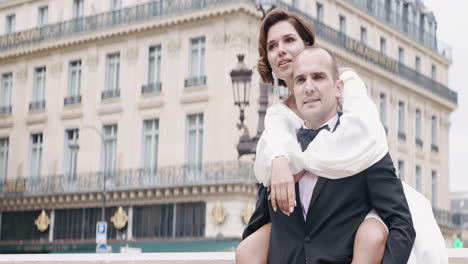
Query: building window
(295, 3)
(383, 110)
(111, 89)
(434, 130)
(405, 16)
(35, 156)
(401, 120)
(370, 5)
(194, 150)
(110, 151)
(71, 155)
(150, 145)
(418, 64)
(5, 94)
(433, 72)
(197, 63)
(154, 70)
(418, 121)
(418, 179)
(434, 189)
(401, 55)
(401, 169)
(78, 8)
(3, 159)
(74, 83)
(10, 24)
(342, 24)
(190, 219)
(364, 35)
(383, 45)
(156, 220)
(38, 100)
(319, 12)
(42, 16)
(115, 4)
(388, 10)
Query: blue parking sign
(101, 232)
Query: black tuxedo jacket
(336, 210)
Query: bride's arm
(277, 140)
(357, 143)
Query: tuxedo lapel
(318, 188)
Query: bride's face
(283, 44)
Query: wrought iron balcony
(107, 94)
(451, 219)
(75, 99)
(37, 105)
(151, 88)
(404, 25)
(174, 176)
(373, 56)
(434, 148)
(125, 16)
(195, 81)
(6, 109)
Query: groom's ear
(339, 84)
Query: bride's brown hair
(303, 28)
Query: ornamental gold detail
(42, 222)
(120, 218)
(218, 213)
(247, 212)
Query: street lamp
(265, 5)
(74, 146)
(241, 77)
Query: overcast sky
(452, 28)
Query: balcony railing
(151, 88)
(6, 109)
(404, 25)
(195, 81)
(107, 94)
(434, 148)
(174, 176)
(37, 105)
(125, 16)
(75, 99)
(373, 56)
(452, 219)
(418, 142)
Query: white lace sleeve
(358, 142)
(278, 139)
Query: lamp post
(75, 147)
(265, 6)
(241, 77)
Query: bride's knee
(372, 235)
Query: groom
(331, 210)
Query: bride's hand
(283, 192)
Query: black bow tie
(305, 136)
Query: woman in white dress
(358, 143)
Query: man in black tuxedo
(332, 210)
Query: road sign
(102, 248)
(101, 232)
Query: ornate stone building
(139, 93)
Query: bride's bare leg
(370, 241)
(254, 249)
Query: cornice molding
(125, 197)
